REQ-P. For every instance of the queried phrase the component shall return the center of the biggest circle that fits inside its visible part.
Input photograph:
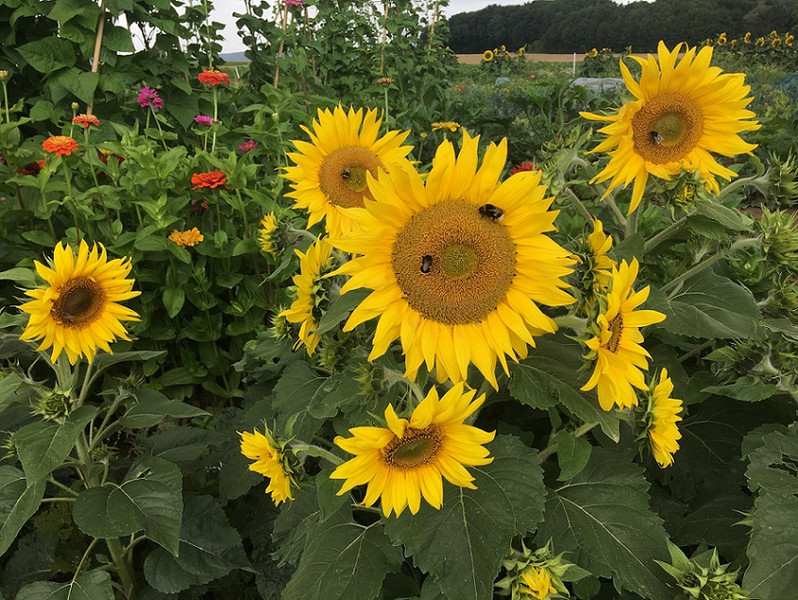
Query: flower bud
(3, 75)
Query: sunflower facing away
(268, 229)
(313, 266)
(269, 463)
(407, 460)
(458, 262)
(330, 172)
(79, 310)
(616, 348)
(662, 416)
(681, 113)
(595, 266)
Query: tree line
(579, 25)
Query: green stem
(696, 351)
(317, 451)
(665, 234)
(61, 486)
(158, 123)
(631, 224)
(579, 206)
(243, 213)
(385, 93)
(215, 116)
(616, 211)
(121, 565)
(58, 499)
(83, 559)
(571, 322)
(5, 98)
(707, 262)
(84, 389)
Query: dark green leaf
(153, 406)
(462, 544)
(340, 308)
(8, 385)
(80, 84)
(23, 278)
(18, 502)
(48, 54)
(94, 585)
(572, 455)
(173, 299)
(729, 218)
(745, 389)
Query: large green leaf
(462, 544)
(601, 517)
(152, 407)
(18, 502)
(43, 446)
(209, 548)
(94, 585)
(343, 560)
(550, 374)
(48, 54)
(773, 549)
(150, 498)
(708, 306)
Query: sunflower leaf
(462, 544)
(601, 517)
(18, 502)
(94, 585)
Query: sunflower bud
(53, 406)
(780, 238)
(703, 577)
(536, 574)
(3, 75)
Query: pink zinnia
(205, 120)
(247, 146)
(149, 97)
(293, 3)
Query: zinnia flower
(213, 77)
(79, 310)
(662, 415)
(188, 238)
(211, 179)
(408, 459)
(450, 125)
(60, 145)
(86, 120)
(294, 3)
(680, 115)
(32, 168)
(524, 166)
(149, 97)
(386, 80)
(247, 146)
(205, 120)
(269, 463)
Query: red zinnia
(211, 179)
(524, 166)
(60, 144)
(32, 168)
(86, 120)
(213, 77)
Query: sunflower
(680, 114)
(408, 459)
(595, 266)
(60, 145)
(661, 418)
(79, 310)
(269, 463)
(268, 228)
(313, 266)
(330, 172)
(458, 263)
(86, 120)
(592, 54)
(184, 239)
(616, 348)
(537, 583)
(487, 56)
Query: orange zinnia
(60, 144)
(211, 179)
(213, 77)
(86, 120)
(190, 237)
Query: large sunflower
(458, 263)
(79, 310)
(408, 459)
(619, 357)
(680, 114)
(330, 171)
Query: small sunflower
(537, 583)
(79, 310)
(596, 266)
(450, 125)
(681, 113)
(619, 357)
(330, 172)
(747, 37)
(458, 262)
(487, 56)
(269, 462)
(593, 53)
(268, 228)
(408, 459)
(188, 238)
(313, 266)
(662, 415)
(60, 145)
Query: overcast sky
(223, 12)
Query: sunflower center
(342, 176)
(80, 302)
(616, 330)
(453, 264)
(417, 448)
(667, 128)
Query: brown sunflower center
(616, 330)
(81, 300)
(342, 176)
(453, 264)
(417, 448)
(667, 128)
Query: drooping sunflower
(79, 310)
(269, 462)
(596, 264)
(662, 415)
(537, 583)
(681, 113)
(268, 228)
(330, 172)
(458, 262)
(408, 459)
(313, 266)
(619, 357)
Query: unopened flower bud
(3, 75)
(75, 106)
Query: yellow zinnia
(616, 348)
(330, 172)
(537, 583)
(408, 459)
(458, 263)
(188, 238)
(313, 266)
(269, 463)
(79, 310)
(662, 415)
(681, 113)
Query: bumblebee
(656, 137)
(491, 212)
(426, 263)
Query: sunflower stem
(665, 234)
(631, 224)
(314, 450)
(696, 351)
(571, 322)
(578, 432)
(708, 262)
(616, 211)
(579, 205)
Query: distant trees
(579, 25)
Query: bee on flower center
(426, 264)
(492, 212)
